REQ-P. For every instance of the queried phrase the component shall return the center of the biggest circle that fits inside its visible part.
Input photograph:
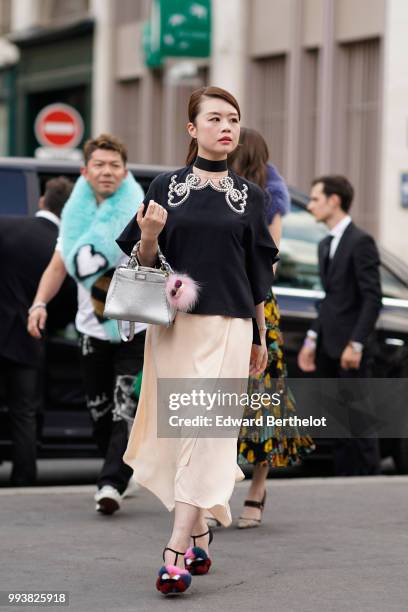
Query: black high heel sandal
(249, 523)
(196, 560)
(173, 579)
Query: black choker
(210, 165)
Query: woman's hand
(152, 223)
(259, 358)
(36, 322)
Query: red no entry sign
(59, 125)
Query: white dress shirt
(47, 214)
(337, 232)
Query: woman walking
(267, 447)
(209, 223)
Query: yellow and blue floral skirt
(271, 445)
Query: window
(128, 11)
(128, 116)
(392, 286)
(358, 100)
(268, 105)
(157, 104)
(4, 129)
(60, 11)
(308, 119)
(5, 16)
(179, 97)
(13, 184)
(181, 139)
(298, 266)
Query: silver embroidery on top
(232, 195)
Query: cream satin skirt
(197, 471)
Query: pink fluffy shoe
(172, 579)
(181, 291)
(196, 560)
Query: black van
(64, 426)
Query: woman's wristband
(37, 305)
(309, 343)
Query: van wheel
(400, 455)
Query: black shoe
(108, 500)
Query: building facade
(53, 43)
(325, 81)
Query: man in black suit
(26, 245)
(338, 343)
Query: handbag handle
(122, 334)
(135, 263)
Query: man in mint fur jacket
(103, 200)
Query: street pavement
(325, 545)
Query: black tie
(326, 255)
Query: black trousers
(354, 455)
(109, 372)
(23, 396)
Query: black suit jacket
(26, 247)
(352, 303)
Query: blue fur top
(85, 224)
(278, 200)
(88, 233)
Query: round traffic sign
(59, 125)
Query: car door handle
(394, 342)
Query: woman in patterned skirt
(267, 447)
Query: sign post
(59, 130)
(177, 28)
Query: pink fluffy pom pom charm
(181, 291)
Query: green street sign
(178, 28)
(153, 58)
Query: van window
(13, 192)
(298, 266)
(392, 286)
(44, 177)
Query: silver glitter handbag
(138, 294)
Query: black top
(26, 247)
(217, 235)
